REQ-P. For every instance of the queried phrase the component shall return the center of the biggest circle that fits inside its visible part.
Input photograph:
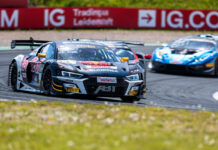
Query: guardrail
(108, 17)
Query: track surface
(164, 90)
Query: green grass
(63, 126)
(179, 4)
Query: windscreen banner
(108, 17)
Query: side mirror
(125, 59)
(148, 56)
(41, 55)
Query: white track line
(215, 95)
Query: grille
(120, 87)
(176, 67)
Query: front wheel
(216, 68)
(129, 99)
(47, 80)
(12, 80)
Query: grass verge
(61, 126)
(179, 4)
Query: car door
(37, 63)
(26, 66)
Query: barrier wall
(13, 3)
(104, 17)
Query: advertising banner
(107, 17)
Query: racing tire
(216, 68)
(13, 76)
(47, 81)
(130, 99)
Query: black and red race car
(76, 68)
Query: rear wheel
(13, 76)
(47, 80)
(129, 99)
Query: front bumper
(200, 69)
(90, 86)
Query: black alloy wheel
(47, 81)
(216, 68)
(13, 76)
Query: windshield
(86, 54)
(191, 44)
(125, 53)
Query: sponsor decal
(107, 67)
(108, 89)
(72, 90)
(24, 63)
(176, 62)
(34, 59)
(102, 70)
(95, 63)
(106, 80)
(137, 58)
(35, 67)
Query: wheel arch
(45, 66)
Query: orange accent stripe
(56, 89)
(57, 85)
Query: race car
(193, 54)
(122, 49)
(75, 68)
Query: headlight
(133, 77)
(204, 57)
(71, 74)
(65, 66)
(201, 59)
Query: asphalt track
(164, 90)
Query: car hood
(168, 56)
(94, 68)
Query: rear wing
(212, 36)
(113, 41)
(31, 42)
(134, 43)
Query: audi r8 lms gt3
(196, 54)
(75, 67)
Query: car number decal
(106, 80)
